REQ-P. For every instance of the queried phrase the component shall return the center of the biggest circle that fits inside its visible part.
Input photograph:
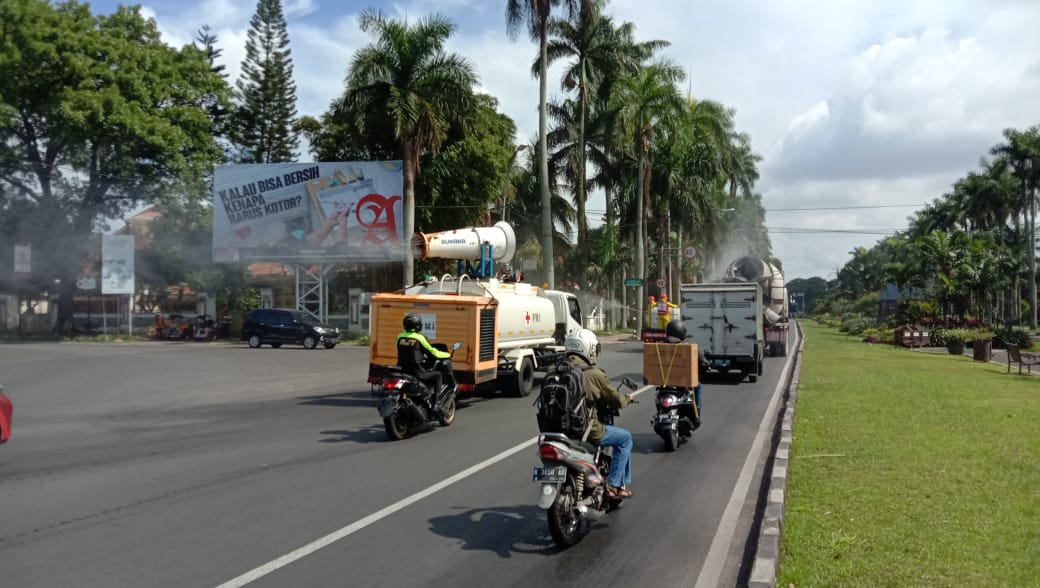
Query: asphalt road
(155, 464)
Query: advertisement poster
(117, 264)
(313, 212)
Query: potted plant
(955, 340)
(981, 344)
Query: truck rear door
(737, 321)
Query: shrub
(855, 325)
(1011, 335)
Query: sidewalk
(616, 338)
(999, 357)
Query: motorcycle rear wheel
(564, 518)
(671, 439)
(449, 415)
(396, 426)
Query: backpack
(561, 403)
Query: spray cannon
(486, 244)
(467, 243)
(769, 279)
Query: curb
(771, 526)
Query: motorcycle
(678, 415)
(407, 403)
(573, 480)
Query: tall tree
(97, 115)
(1021, 153)
(645, 101)
(537, 14)
(406, 77)
(216, 104)
(264, 120)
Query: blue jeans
(621, 463)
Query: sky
(863, 110)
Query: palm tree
(595, 49)
(1021, 154)
(525, 209)
(407, 77)
(645, 101)
(537, 14)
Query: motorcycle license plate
(555, 474)
(666, 419)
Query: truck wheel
(752, 378)
(523, 380)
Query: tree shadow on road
(505, 530)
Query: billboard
(117, 264)
(337, 212)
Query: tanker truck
(737, 321)
(508, 329)
(770, 281)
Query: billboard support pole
(312, 289)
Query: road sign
(690, 252)
(633, 282)
(660, 282)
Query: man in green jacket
(415, 354)
(581, 352)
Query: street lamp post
(505, 185)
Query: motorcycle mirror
(630, 384)
(457, 345)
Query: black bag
(562, 406)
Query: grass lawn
(910, 469)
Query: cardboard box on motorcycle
(671, 364)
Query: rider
(581, 352)
(676, 333)
(414, 353)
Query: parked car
(6, 409)
(275, 326)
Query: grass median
(910, 469)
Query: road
(155, 464)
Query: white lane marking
(716, 559)
(302, 552)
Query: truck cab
(569, 318)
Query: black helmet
(675, 330)
(412, 323)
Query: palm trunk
(408, 275)
(582, 224)
(548, 261)
(640, 227)
(1031, 249)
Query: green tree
(466, 176)
(537, 14)
(97, 116)
(593, 48)
(1020, 152)
(217, 104)
(407, 78)
(266, 113)
(646, 101)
